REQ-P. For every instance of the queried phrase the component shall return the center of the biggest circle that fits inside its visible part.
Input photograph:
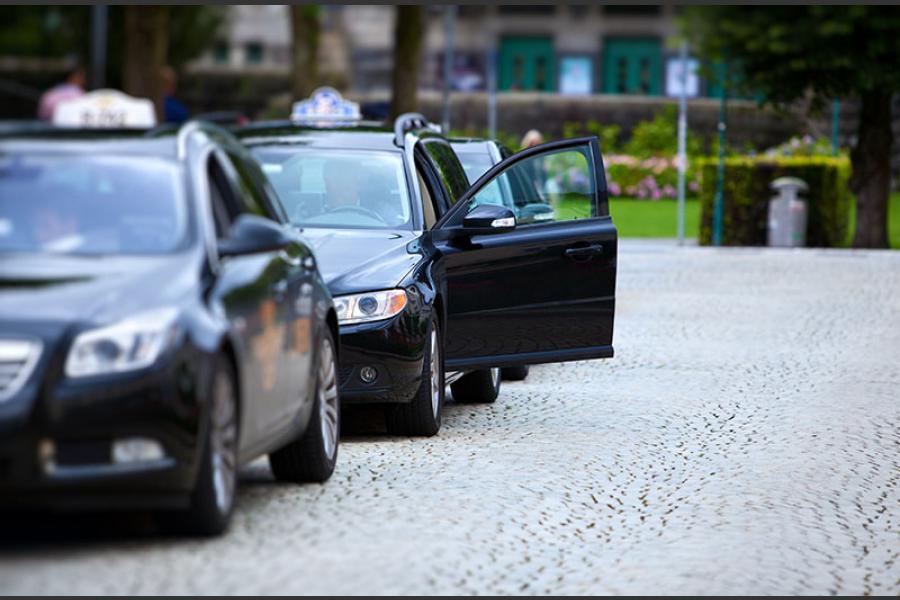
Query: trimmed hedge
(747, 194)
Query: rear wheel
(312, 457)
(514, 373)
(481, 387)
(212, 500)
(422, 416)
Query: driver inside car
(341, 185)
(343, 191)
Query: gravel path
(745, 439)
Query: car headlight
(133, 343)
(371, 306)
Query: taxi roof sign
(325, 106)
(105, 109)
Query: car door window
(429, 207)
(547, 187)
(448, 168)
(223, 203)
(252, 195)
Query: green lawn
(648, 219)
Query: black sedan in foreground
(159, 326)
(432, 276)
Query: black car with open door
(160, 325)
(437, 282)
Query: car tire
(481, 387)
(422, 415)
(514, 373)
(312, 457)
(212, 500)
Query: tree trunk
(304, 49)
(146, 44)
(871, 159)
(408, 34)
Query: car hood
(41, 287)
(352, 260)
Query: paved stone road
(746, 439)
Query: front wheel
(312, 457)
(481, 387)
(422, 416)
(212, 500)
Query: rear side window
(251, 186)
(448, 168)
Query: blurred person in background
(174, 110)
(531, 139)
(71, 87)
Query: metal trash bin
(787, 213)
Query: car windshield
(475, 164)
(355, 189)
(89, 204)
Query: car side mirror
(251, 234)
(487, 219)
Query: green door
(527, 63)
(632, 65)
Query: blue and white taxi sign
(105, 109)
(325, 106)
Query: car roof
(161, 142)
(365, 135)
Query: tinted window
(339, 188)
(551, 186)
(448, 168)
(89, 204)
(475, 164)
(252, 195)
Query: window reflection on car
(90, 205)
(339, 188)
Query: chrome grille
(17, 360)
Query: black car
(159, 325)
(430, 274)
(477, 156)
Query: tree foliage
(790, 51)
(64, 31)
(819, 53)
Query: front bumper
(395, 348)
(62, 457)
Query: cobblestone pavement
(745, 439)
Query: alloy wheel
(328, 398)
(223, 441)
(435, 375)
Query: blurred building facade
(568, 49)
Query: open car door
(528, 261)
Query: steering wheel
(358, 209)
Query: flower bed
(652, 178)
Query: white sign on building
(674, 77)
